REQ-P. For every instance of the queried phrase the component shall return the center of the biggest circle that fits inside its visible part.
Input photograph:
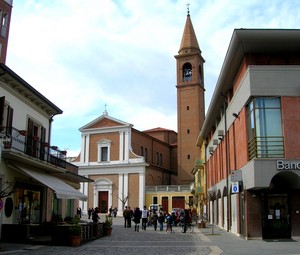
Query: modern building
(37, 184)
(252, 134)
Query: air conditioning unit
(220, 132)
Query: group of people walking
(143, 216)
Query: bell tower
(190, 101)
(5, 14)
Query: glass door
(276, 218)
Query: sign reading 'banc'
(287, 165)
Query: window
(188, 131)
(187, 72)
(104, 150)
(265, 128)
(4, 24)
(188, 156)
(6, 115)
(157, 158)
(142, 151)
(146, 154)
(160, 159)
(104, 154)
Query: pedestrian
(129, 216)
(89, 213)
(145, 214)
(169, 221)
(95, 216)
(154, 220)
(79, 212)
(186, 219)
(110, 211)
(161, 219)
(115, 212)
(125, 216)
(137, 218)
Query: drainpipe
(227, 160)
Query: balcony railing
(18, 140)
(266, 147)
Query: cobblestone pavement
(205, 241)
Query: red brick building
(252, 134)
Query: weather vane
(188, 8)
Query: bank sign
(287, 165)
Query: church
(136, 168)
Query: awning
(61, 189)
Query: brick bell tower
(5, 15)
(190, 101)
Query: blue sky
(82, 55)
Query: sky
(86, 56)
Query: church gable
(105, 121)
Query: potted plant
(75, 232)
(108, 225)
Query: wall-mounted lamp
(235, 115)
(221, 138)
(211, 153)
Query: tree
(8, 190)
(124, 200)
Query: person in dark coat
(154, 220)
(95, 216)
(137, 218)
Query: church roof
(158, 129)
(189, 43)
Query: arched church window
(187, 72)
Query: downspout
(227, 160)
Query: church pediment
(105, 121)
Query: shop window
(28, 205)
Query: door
(103, 201)
(276, 218)
(165, 204)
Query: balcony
(17, 145)
(266, 147)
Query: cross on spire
(188, 8)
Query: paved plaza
(203, 241)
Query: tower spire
(189, 41)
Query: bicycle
(189, 227)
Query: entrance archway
(103, 194)
(276, 205)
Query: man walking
(145, 214)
